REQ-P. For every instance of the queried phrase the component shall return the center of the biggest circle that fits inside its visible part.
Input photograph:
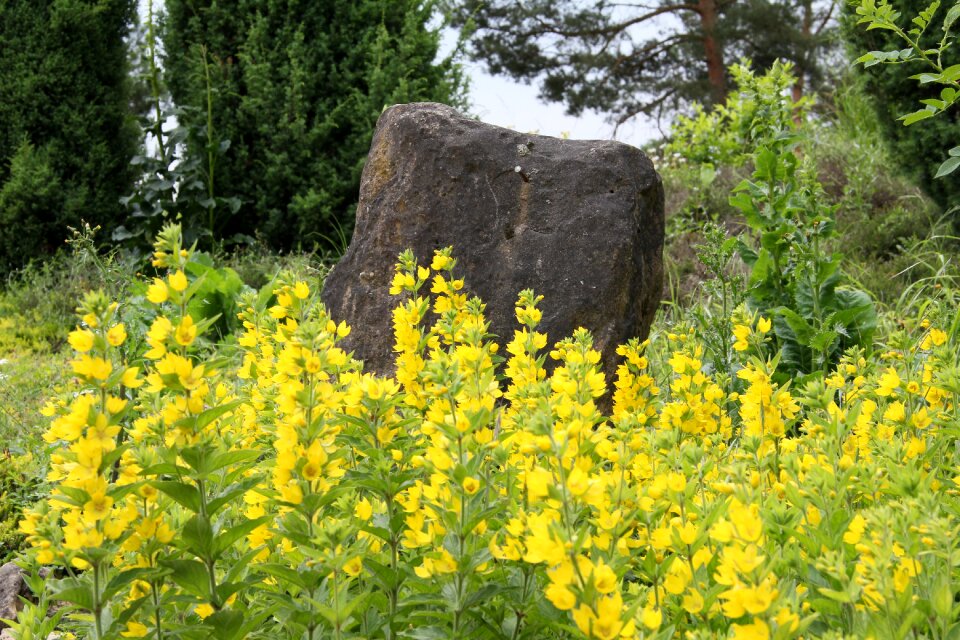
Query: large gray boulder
(578, 221)
(12, 588)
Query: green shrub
(918, 151)
(755, 110)
(297, 89)
(19, 489)
(66, 137)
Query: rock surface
(580, 222)
(12, 587)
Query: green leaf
(184, 494)
(197, 537)
(838, 596)
(228, 624)
(917, 116)
(231, 492)
(284, 574)
(948, 167)
(802, 331)
(201, 421)
(230, 458)
(225, 539)
(952, 15)
(191, 576)
(79, 595)
(823, 340)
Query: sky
(502, 101)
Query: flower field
(477, 495)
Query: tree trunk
(713, 52)
(806, 37)
(806, 33)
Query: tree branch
(826, 18)
(554, 29)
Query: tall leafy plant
(172, 183)
(936, 70)
(909, 58)
(795, 276)
(795, 273)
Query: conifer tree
(631, 58)
(66, 137)
(297, 87)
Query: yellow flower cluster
(295, 493)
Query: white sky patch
(506, 103)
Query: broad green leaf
(197, 538)
(191, 576)
(948, 167)
(917, 116)
(185, 494)
(225, 539)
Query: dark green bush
(66, 137)
(917, 151)
(297, 89)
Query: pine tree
(297, 89)
(628, 59)
(66, 138)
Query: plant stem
(155, 587)
(97, 605)
(155, 82)
(211, 157)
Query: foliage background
(298, 87)
(917, 150)
(66, 137)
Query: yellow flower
(605, 623)
(889, 382)
(363, 509)
(353, 567)
(787, 619)
(440, 262)
(742, 333)
(604, 579)
(204, 610)
(678, 576)
(757, 630)
(116, 335)
(301, 290)
(763, 325)
(560, 596)
(178, 281)
(135, 630)
(693, 602)
(157, 292)
(651, 618)
(96, 368)
(186, 332)
(935, 338)
(470, 485)
(81, 340)
(855, 530)
(130, 378)
(676, 482)
(578, 482)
